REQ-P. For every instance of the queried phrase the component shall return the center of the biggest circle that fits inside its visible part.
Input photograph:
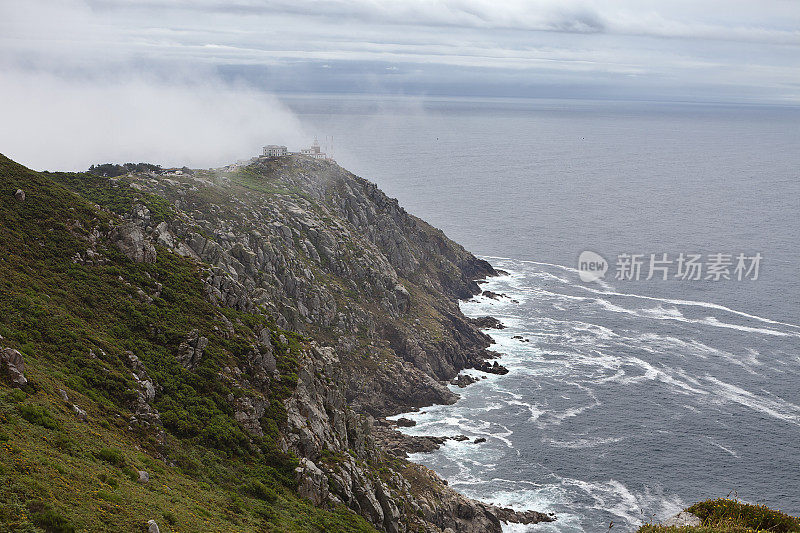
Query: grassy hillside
(76, 325)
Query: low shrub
(39, 415)
(52, 522)
(259, 490)
(112, 456)
(15, 396)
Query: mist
(54, 123)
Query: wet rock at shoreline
(405, 422)
(487, 322)
(462, 380)
(491, 368)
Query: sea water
(626, 399)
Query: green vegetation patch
(725, 515)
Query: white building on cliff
(273, 150)
(314, 151)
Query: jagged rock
(149, 390)
(20, 195)
(152, 527)
(133, 242)
(190, 351)
(480, 440)
(80, 413)
(491, 368)
(462, 380)
(401, 445)
(368, 503)
(143, 478)
(146, 385)
(164, 236)
(13, 365)
(248, 412)
(487, 322)
(312, 482)
(684, 518)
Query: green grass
(74, 325)
(724, 515)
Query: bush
(258, 490)
(15, 396)
(112, 456)
(39, 415)
(724, 511)
(52, 522)
(63, 442)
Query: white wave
(721, 447)
(672, 301)
(534, 410)
(694, 303)
(712, 321)
(775, 407)
(582, 443)
(663, 375)
(558, 417)
(660, 313)
(668, 345)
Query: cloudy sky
(115, 57)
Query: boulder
(487, 322)
(80, 413)
(462, 380)
(311, 482)
(681, 519)
(152, 527)
(191, 350)
(13, 365)
(248, 412)
(20, 195)
(133, 242)
(144, 477)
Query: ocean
(627, 398)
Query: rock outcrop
(132, 242)
(12, 364)
(373, 290)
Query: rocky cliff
(331, 308)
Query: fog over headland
(172, 79)
(68, 124)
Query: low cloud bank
(52, 123)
